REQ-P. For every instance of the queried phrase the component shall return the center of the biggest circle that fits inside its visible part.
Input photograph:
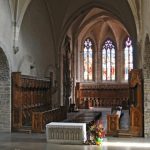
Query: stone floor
(24, 141)
(34, 141)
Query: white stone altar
(62, 132)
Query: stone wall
(147, 108)
(36, 47)
(146, 73)
(5, 107)
(5, 104)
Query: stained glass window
(108, 61)
(128, 57)
(88, 60)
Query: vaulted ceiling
(67, 9)
(99, 23)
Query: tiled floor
(23, 141)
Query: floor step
(124, 133)
(24, 130)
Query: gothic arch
(23, 11)
(14, 6)
(87, 7)
(136, 10)
(79, 14)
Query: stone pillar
(5, 103)
(146, 73)
(5, 107)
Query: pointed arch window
(128, 57)
(88, 60)
(108, 61)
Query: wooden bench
(41, 118)
(113, 121)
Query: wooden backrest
(28, 94)
(112, 124)
(101, 95)
(136, 102)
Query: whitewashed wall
(35, 41)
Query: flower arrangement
(95, 132)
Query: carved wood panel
(112, 124)
(32, 96)
(101, 95)
(136, 102)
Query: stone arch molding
(137, 14)
(18, 10)
(84, 9)
(146, 64)
(9, 59)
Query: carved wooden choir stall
(101, 95)
(136, 102)
(135, 109)
(31, 103)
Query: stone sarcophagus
(62, 132)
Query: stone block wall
(147, 108)
(5, 96)
(146, 74)
(5, 106)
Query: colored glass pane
(128, 57)
(108, 61)
(113, 64)
(104, 64)
(88, 60)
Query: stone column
(146, 73)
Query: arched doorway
(5, 103)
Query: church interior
(67, 67)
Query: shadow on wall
(50, 70)
(27, 66)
